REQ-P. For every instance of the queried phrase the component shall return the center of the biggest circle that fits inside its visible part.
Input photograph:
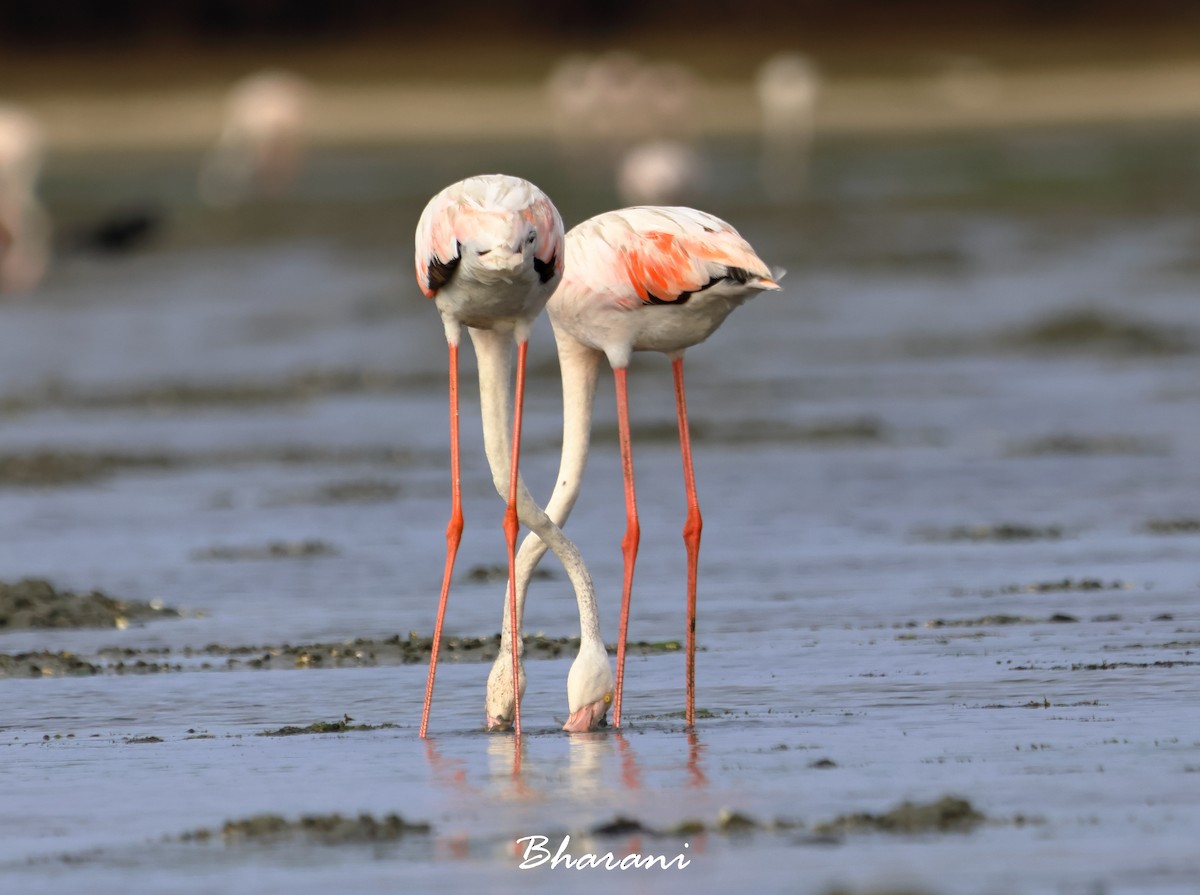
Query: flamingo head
(589, 689)
(498, 245)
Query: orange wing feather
(663, 266)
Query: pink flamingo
(489, 252)
(24, 225)
(260, 148)
(639, 279)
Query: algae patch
(1001, 533)
(45, 468)
(273, 550)
(1098, 331)
(948, 814)
(1182, 526)
(321, 829)
(343, 726)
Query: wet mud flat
(360, 652)
(948, 610)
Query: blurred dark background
(32, 24)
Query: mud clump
(46, 664)
(867, 430)
(620, 826)
(840, 891)
(486, 574)
(1088, 446)
(55, 469)
(358, 653)
(1190, 526)
(857, 430)
(1092, 330)
(42, 469)
(1066, 585)
(947, 815)
(273, 550)
(322, 829)
(353, 491)
(343, 726)
(179, 396)
(989, 621)
(1003, 532)
(36, 603)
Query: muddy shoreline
(357, 653)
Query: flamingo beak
(502, 261)
(589, 717)
(498, 724)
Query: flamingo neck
(493, 351)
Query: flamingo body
(653, 279)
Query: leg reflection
(631, 774)
(696, 776)
(504, 763)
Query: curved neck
(493, 351)
(579, 366)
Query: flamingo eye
(483, 252)
(531, 237)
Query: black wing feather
(545, 269)
(737, 274)
(440, 271)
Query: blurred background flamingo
(788, 87)
(260, 148)
(635, 120)
(24, 224)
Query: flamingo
(24, 225)
(261, 141)
(659, 171)
(639, 279)
(788, 87)
(489, 252)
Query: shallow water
(855, 436)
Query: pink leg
(453, 536)
(629, 545)
(511, 527)
(691, 538)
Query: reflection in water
(447, 772)
(505, 755)
(631, 774)
(586, 753)
(696, 749)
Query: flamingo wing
(437, 250)
(548, 257)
